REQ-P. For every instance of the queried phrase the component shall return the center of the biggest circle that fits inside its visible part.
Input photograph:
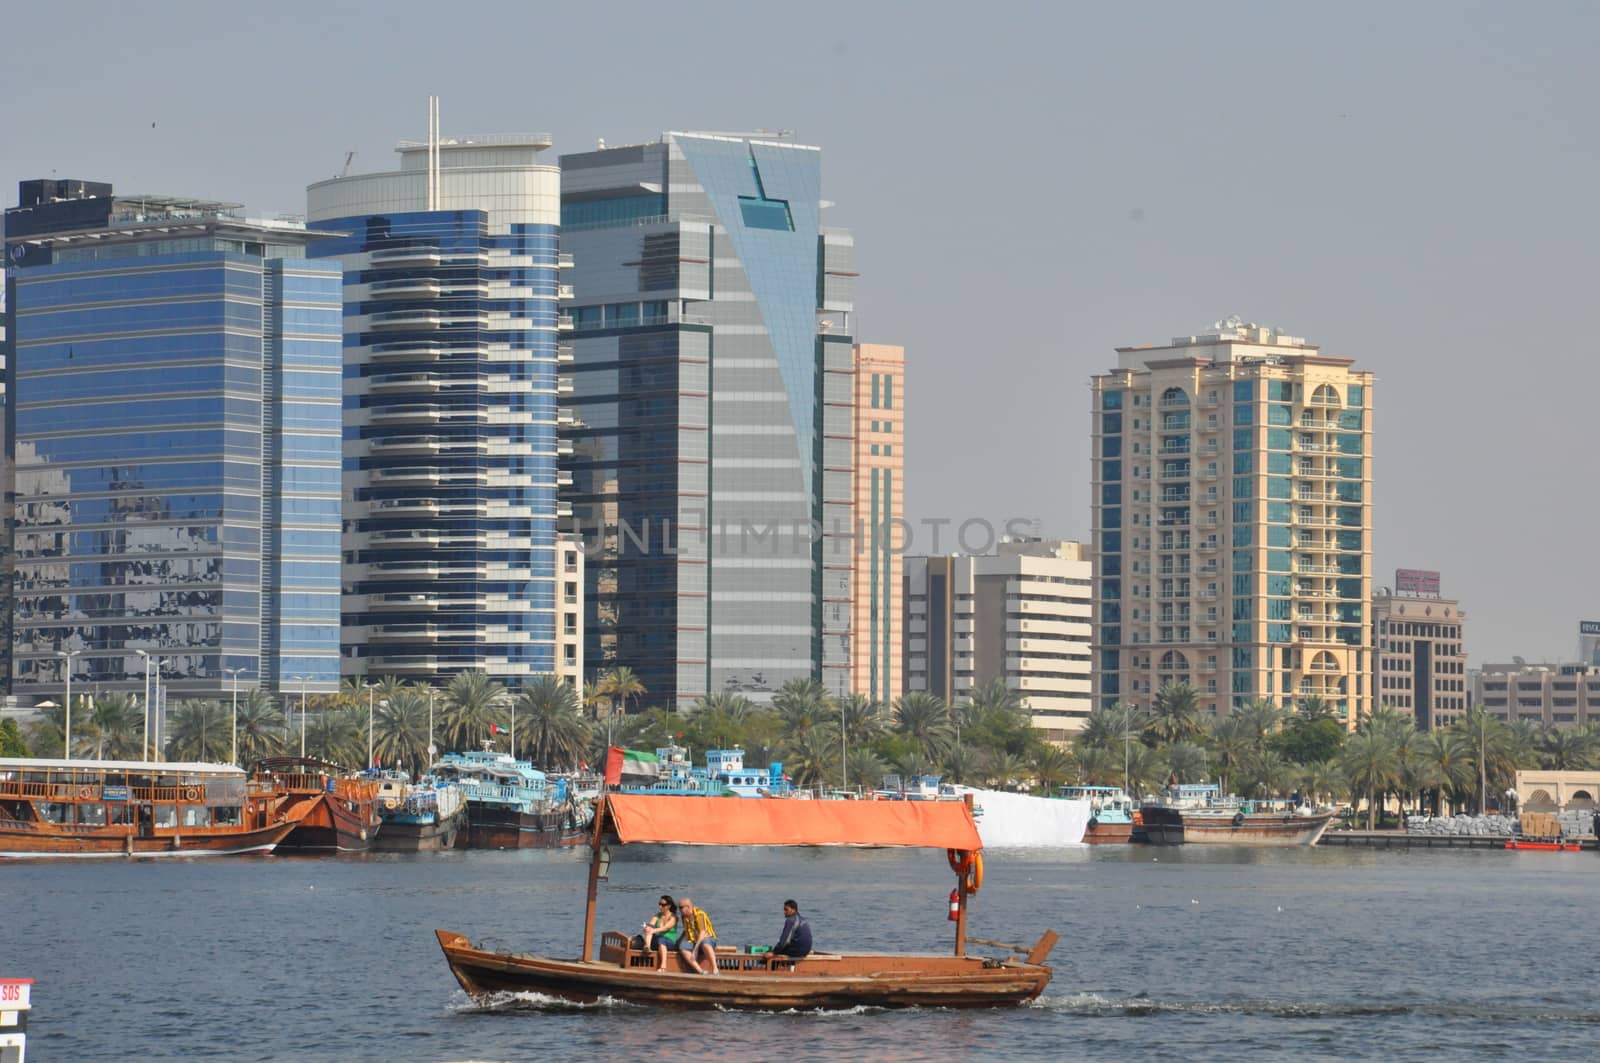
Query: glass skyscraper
(175, 432)
(451, 286)
(711, 414)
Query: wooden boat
(111, 808)
(332, 810)
(510, 803)
(424, 817)
(760, 980)
(1545, 845)
(1244, 824)
(1110, 813)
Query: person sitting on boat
(696, 935)
(795, 941)
(662, 928)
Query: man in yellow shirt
(696, 935)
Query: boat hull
(327, 823)
(884, 981)
(1098, 833)
(25, 841)
(1525, 845)
(402, 837)
(1172, 826)
(497, 827)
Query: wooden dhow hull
(498, 827)
(1172, 826)
(748, 982)
(401, 837)
(1098, 833)
(328, 823)
(30, 840)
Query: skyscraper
(1233, 522)
(880, 462)
(175, 370)
(450, 354)
(711, 406)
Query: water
(1166, 954)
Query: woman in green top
(662, 929)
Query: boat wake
(526, 1001)
(1096, 1005)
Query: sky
(1030, 186)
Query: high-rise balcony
(408, 288)
(404, 382)
(410, 257)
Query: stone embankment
(1573, 824)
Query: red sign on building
(1416, 581)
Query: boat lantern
(605, 862)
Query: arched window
(1326, 395)
(1174, 397)
(1173, 661)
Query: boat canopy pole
(594, 878)
(961, 897)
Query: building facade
(1550, 695)
(175, 371)
(1021, 615)
(1232, 488)
(711, 424)
(1419, 666)
(876, 583)
(451, 323)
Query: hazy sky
(1412, 185)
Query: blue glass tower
(450, 353)
(711, 414)
(175, 375)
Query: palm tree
(1567, 748)
(913, 765)
(1488, 740)
(553, 728)
(734, 707)
(1097, 765)
(620, 684)
(863, 719)
(1371, 765)
(1314, 707)
(261, 727)
(339, 735)
(472, 701)
(1452, 763)
(1187, 761)
(962, 764)
(595, 699)
(1232, 742)
(1003, 769)
(113, 718)
(1259, 718)
(866, 768)
(1174, 715)
(1319, 779)
(400, 729)
(200, 731)
(1266, 773)
(802, 703)
(811, 757)
(1052, 767)
(1147, 769)
(924, 718)
(1109, 726)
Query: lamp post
(369, 724)
(146, 655)
(66, 747)
(302, 717)
(234, 672)
(844, 749)
(432, 752)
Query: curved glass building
(450, 363)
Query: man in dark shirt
(795, 941)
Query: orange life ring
(192, 794)
(975, 874)
(85, 792)
(960, 861)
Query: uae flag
(496, 729)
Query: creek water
(1166, 954)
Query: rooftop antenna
(433, 153)
(349, 156)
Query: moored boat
(1110, 813)
(510, 803)
(111, 808)
(333, 810)
(1545, 845)
(762, 980)
(418, 817)
(1194, 814)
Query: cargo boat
(510, 804)
(1195, 814)
(420, 817)
(1110, 813)
(129, 808)
(763, 981)
(333, 810)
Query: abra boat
(418, 817)
(1545, 845)
(761, 980)
(1110, 813)
(1194, 814)
(510, 804)
(112, 808)
(333, 810)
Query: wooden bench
(617, 947)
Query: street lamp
(234, 672)
(146, 655)
(369, 723)
(66, 747)
(432, 751)
(302, 717)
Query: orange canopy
(780, 821)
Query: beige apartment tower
(879, 468)
(1419, 666)
(1233, 522)
(1020, 615)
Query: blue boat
(671, 772)
(1110, 813)
(510, 804)
(726, 766)
(426, 815)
